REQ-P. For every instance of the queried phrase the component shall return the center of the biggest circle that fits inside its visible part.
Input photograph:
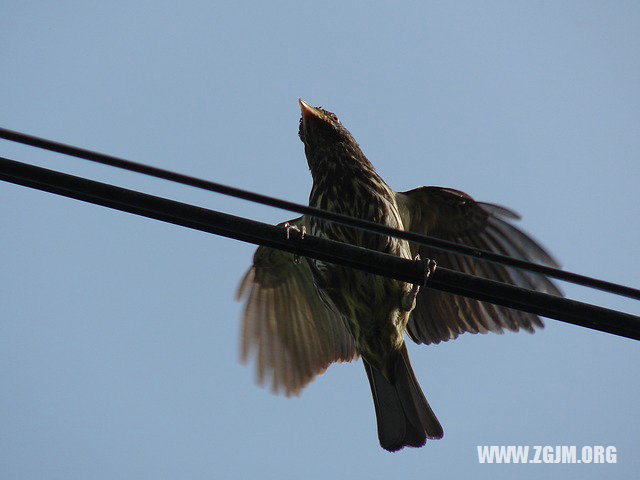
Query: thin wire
(327, 215)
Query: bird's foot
(288, 228)
(409, 301)
(430, 269)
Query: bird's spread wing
(295, 335)
(453, 215)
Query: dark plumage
(302, 316)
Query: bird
(301, 315)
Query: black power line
(332, 216)
(198, 218)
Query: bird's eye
(333, 116)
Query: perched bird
(301, 315)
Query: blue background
(119, 335)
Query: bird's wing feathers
(296, 335)
(453, 215)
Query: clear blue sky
(119, 335)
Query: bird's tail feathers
(403, 414)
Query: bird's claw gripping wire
(431, 266)
(409, 301)
(288, 227)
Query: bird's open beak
(309, 112)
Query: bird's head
(323, 135)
